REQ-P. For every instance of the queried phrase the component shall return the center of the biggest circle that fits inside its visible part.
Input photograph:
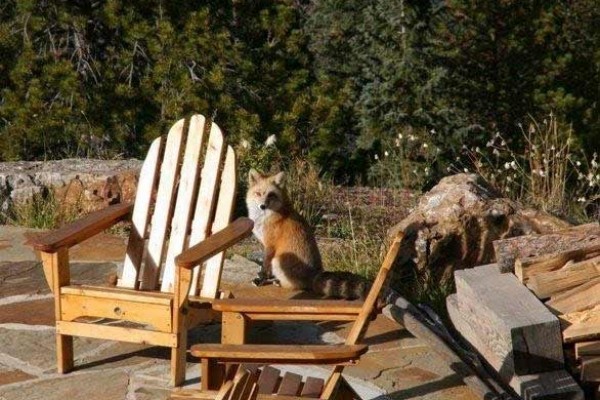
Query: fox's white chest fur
(258, 216)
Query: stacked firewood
(563, 270)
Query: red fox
(291, 255)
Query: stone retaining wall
(88, 184)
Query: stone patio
(397, 366)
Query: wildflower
(400, 136)
(503, 143)
(506, 165)
(508, 179)
(432, 131)
(581, 199)
(270, 141)
(466, 170)
(578, 163)
(426, 171)
(520, 125)
(386, 153)
(376, 157)
(542, 173)
(477, 150)
(245, 144)
(448, 169)
(397, 142)
(513, 164)
(412, 138)
(425, 145)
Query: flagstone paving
(397, 366)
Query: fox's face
(265, 193)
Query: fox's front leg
(265, 274)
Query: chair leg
(178, 361)
(64, 353)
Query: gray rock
(97, 385)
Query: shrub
(405, 162)
(543, 170)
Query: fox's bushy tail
(338, 284)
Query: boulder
(454, 224)
(82, 183)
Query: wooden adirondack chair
(178, 205)
(235, 311)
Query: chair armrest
(80, 230)
(215, 243)
(280, 354)
(267, 306)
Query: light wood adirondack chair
(179, 204)
(236, 311)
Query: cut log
(590, 369)
(522, 336)
(547, 385)
(581, 298)
(587, 349)
(525, 268)
(581, 326)
(547, 284)
(509, 250)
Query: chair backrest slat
(163, 207)
(141, 216)
(225, 204)
(188, 186)
(190, 195)
(363, 317)
(357, 330)
(207, 195)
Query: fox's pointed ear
(253, 176)
(279, 179)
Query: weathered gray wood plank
(551, 385)
(521, 332)
(547, 386)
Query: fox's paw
(262, 281)
(258, 281)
